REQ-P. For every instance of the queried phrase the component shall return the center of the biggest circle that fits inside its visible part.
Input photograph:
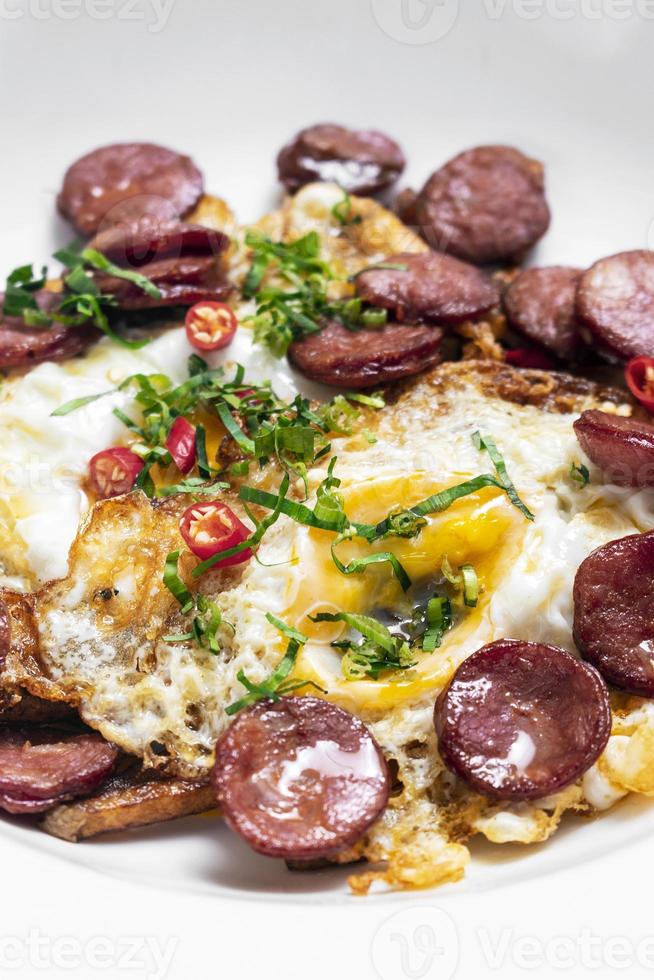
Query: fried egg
(96, 630)
(102, 631)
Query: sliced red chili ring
(114, 471)
(210, 325)
(639, 375)
(181, 444)
(212, 527)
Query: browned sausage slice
(23, 346)
(623, 448)
(432, 286)
(364, 358)
(126, 180)
(486, 205)
(361, 161)
(616, 301)
(41, 767)
(178, 294)
(540, 303)
(299, 778)
(613, 621)
(147, 240)
(181, 281)
(521, 720)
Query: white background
(228, 81)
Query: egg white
(44, 459)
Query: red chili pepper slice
(639, 374)
(114, 471)
(210, 325)
(211, 527)
(181, 444)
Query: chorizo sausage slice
(128, 179)
(432, 287)
(364, 358)
(299, 778)
(147, 240)
(540, 304)
(23, 346)
(181, 281)
(177, 294)
(623, 448)
(521, 720)
(42, 767)
(613, 622)
(361, 161)
(485, 205)
(615, 300)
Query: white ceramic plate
(566, 80)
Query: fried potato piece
(129, 800)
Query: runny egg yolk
(481, 529)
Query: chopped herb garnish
(262, 426)
(470, 585)
(395, 266)
(76, 403)
(97, 261)
(342, 211)
(580, 473)
(290, 284)
(373, 318)
(403, 524)
(204, 469)
(81, 301)
(487, 443)
(174, 583)
(289, 631)
(373, 401)
(21, 285)
(376, 652)
(277, 684)
(207, 619)
(465, 579)
(358, 565)
(439, 619)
